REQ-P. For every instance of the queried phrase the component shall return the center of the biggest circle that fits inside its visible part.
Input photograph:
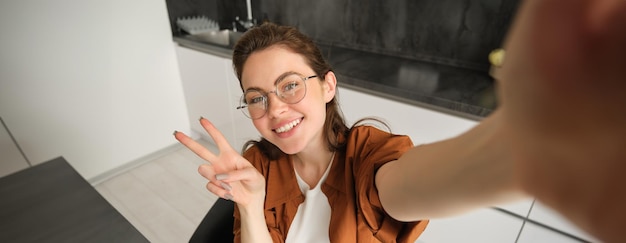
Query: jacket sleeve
(374, 149)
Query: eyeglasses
(290, 89)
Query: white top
(313, 216)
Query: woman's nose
(275, 106)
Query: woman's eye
(255, 100)
(290, 86)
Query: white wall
(94, 81)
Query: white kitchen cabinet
(422, 125)
(483, 225)
(206, 91)
(533, 233)
(244, 129)
(11, 159)
(212, 91)
(545, 215)
(521, 208)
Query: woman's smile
(287, 127)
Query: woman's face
(291, 127)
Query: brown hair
(270, 34)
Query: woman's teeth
(287, 126)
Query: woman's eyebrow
(253, 88)
(284, 75)
(280, 78)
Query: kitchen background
(428, 51)
(99, 83)
(459, 33)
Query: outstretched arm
(449, 177)
(558, 133)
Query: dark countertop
(461, 92)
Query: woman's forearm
(450, 176)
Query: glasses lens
(291, 89)
(255, 102)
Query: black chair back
(217, 225)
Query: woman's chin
(290, 148)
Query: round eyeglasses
(290, 89)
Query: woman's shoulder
(371, 134)
(367, 143)
(366, 128)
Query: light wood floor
(165, 199)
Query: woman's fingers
(195, 147)
(246, 175)
(216, 135)
(215, 186)
(207, 171)
(219, 190)
(241, 185)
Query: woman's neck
(311, 166)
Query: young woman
(311, 178)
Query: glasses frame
(243, 105)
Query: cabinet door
(422, 125)
(244, 129)
(548, 216)
(11, 159)
(205, 84)
(521, 208)
(484, 225)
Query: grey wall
(454, 32)
(459, 32)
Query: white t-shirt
(313, 216)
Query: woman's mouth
(287, 127)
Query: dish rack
(197, 24)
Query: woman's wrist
(253, 224)
(252, 210)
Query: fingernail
(220, 177)
(200, 119)
(226, 186)
(174, 133)
(227, 196)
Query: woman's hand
(563, 100)
(230, 175)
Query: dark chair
(217, 225)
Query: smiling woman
(308, 159)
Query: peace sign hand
(230, 175)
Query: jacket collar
(281, 178)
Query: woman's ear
(329, 86)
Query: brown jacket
(356, 212)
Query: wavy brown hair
(270, 34)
